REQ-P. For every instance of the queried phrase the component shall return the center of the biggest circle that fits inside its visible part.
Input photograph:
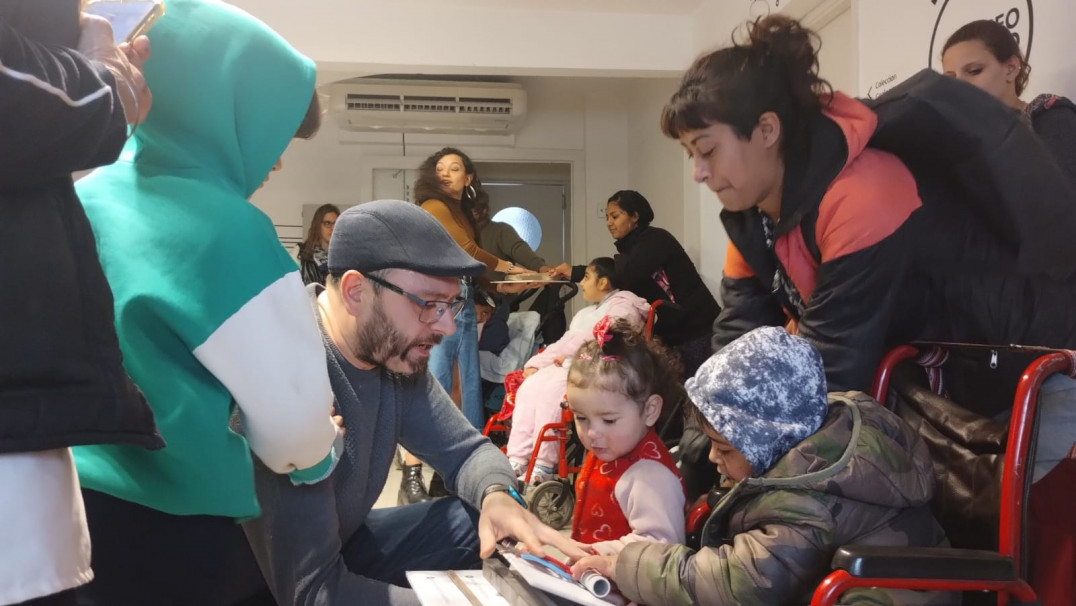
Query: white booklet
(474, 587)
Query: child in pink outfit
(546, 374)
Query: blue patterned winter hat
(764, 393)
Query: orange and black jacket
(840, 243)
(967, 236)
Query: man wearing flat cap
(392, 293)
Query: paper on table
(435, 587)
(547, 581)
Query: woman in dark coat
(651, 263)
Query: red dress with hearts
(598, 516)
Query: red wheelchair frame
(947, 569)
(951, 569)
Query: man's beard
(380, 344)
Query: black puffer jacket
(62, 381)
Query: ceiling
(642, 7)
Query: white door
(547, 202)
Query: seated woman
(546, 374)
(985, 54)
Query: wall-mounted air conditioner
(418, 106)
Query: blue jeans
(462, 346)
(441, 534)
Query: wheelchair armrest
(874, 561)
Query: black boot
(412, 488)
(437, 486)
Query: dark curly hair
(775, 69)
(640, 368)
(428, 184)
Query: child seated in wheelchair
(808, 473)
(545, 374)
(628, 489)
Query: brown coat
(451, 217)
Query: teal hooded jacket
(210, 310)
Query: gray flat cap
(392, 234)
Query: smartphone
(129, 18)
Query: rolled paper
(595, 583)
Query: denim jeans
(441, 534)
(462, 346)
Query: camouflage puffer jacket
(863, 478)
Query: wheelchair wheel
(553, 502)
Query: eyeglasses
(432, 311)
(328, 223)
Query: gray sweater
(299, 536)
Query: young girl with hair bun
(629, 489)
(545, 374)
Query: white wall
(606, 128)
(895, 40)
(361, 37)
(837, 56)
(655, 161)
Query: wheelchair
(982, 462)
(976, 407)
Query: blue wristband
(511, 491)
(518, 497)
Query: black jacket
(62, 381)
(642, 255)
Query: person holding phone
(67, 97)
(204, 339)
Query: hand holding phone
(129, 18)
(125, 62)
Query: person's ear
(351, 290)
(470, 178)
(1012, 69)
(652, 410)
(604, 284)
(769, 129)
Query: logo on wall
(1016, 15)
